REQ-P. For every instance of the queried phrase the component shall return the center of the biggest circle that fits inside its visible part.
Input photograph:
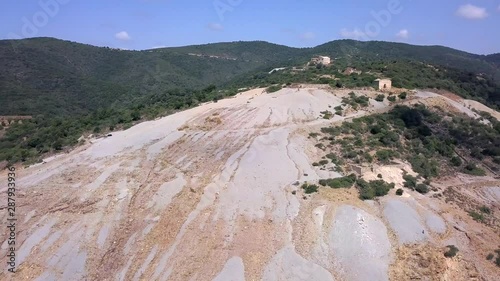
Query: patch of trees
(343, 182)
(372, 189)
(423, 137)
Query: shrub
(490, 256)
(323, 162)
(410, 181)
(456, 161)
(385, 155)
(472, 169)
(399, 192)
(310, 188)
(485, 210)
(422, 188)
(343, 182)
(476, 216)
(403, 95)
(391, 98)
(372, 189)
(452, 251)
(380, 98)
(379, 176)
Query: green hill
(55, 77)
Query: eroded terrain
(211, 194)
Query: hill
(271, 187)
(55, 77)
(73, 89)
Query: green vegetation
(476, 216)
(451, 252)
(380, 98)
(310, 188)
(419, 135)
(485, 210)
(490, 257)
(472, 169)
(399, 192)
(403, 95)
(410, 181)
(422, 188)
(456, 161)
(355, 101)
(372, 189)
(327, 114)
(323, 162)
(344, 182)
(273, 88)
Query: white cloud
(215, 26)
(307, 36)
(352, 34)
(123, 36)
(403, 34)
(472, 12)
(159, 47)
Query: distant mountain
(55, 77)
(357, 51)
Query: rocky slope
(211, 194)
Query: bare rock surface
(359, 245)
(405, 221)
(214, 193)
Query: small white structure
(322, 59)
(383, 84)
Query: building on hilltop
(382, 84)
(321, 59)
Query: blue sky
(471, 25)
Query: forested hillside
(55, 77)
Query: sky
(472, 26)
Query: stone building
(321, 59)
(382, 84)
